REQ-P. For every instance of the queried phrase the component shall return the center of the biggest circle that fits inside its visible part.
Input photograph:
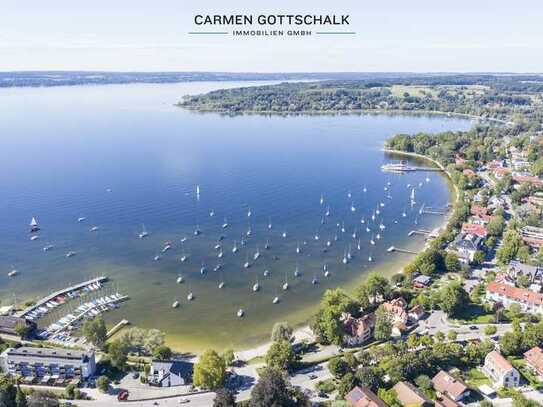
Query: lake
(123, 156)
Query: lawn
(476, 378)
(526, 372)
(418, 91)
(475, 314)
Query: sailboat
(247, 264)
(404, 214)
(296, 271)
(328, 243)
(382, 226)
(373, 215)
(362, 220)
(364, 189)
(34, 225)
(256, 286)
(372, 242)
(317, 237)
(143, 232)
(257, 254)
(190, 296)
(198, 191)
(354, 233)
(349, 254)
(322, 199)
(197, 231)
(211, 213)
(345, 260)
(370, 258)
(203, 269)
(325, 270)
(327, 213)
(342, 227)
(298, 249)
(249, 212)
(359, 246)
(269, 223)
(175, 304)
(183, 255)
(225, 224)
(315, 280)
(285, 285)
(240, 313)
(267, 244)
(349, 195)
(413, 202)
(378, 236)
(235, 248)
(81, 219)
(179, 279)
(353, 208)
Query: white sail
(33, 222)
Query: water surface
(123, 156)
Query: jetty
(52, 296)
(393, 249)
(434, 211)
(419, 232)
(121, 324)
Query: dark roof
(52, 353)
(179, 372)
(8, 323)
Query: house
(474, 229)
(534, 359)
(358, 330)
(495, 202)
(478, 210)
(397, 308)
(169, 373)
(532, 236)
(516, 268)
(409, 396)
(9, 324)
(466, 245)
(529, 179)
(503, 278)
(500, 172)
(444, 401)
(469, 173)
(500, 370)
(422, 281)
(48, 365)
(506, 295)
(416, 313)
(449, 386)
(362, 396)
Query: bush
(102, 383)
(490, 330)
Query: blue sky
(392, 35)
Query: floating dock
(121, 324)
(393, 249)
(64, 291)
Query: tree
(8, 392)
(280, 355)
(272, 390)
(453, 299)
(424, 383)
(210, 371)
(478, 258)
(153, 339)
(102, 383)
(326, 324)
(338, 367)
(345, 385)
(452, 335)
(23, 330)
(377, 286)
(383, 324)
(452, 264)
(229, 356)
(369, 376)
(20, 398)
(95, 331)
(43, 399)
(162, 352)
(281, 331)
(224, 398)
(510, 344)
(70, 391)
(490, 330)
(118, 354)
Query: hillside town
(460, 325)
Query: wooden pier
(120, 325)
(419, 232)
(434, 211)
(54, 295)
(393, 249)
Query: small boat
(285, 284)
(378, 236)
(284, 234)
(34, 237)
(368, 229)
(156, 258)
(391, 249)
(143, 232)
(13, 273)
(269, 224)
(217, 246)
(34, 225)
(316, 237)
(382, 226)
(297, 272)
(362, 220)
(353, 208)
(427, 179)
(345, 260)
(221, 284)
(322, 199)
(412, 197)
(235, 248)
(322, 220)
(225, 224)
(372, 242)
(298, 248)
(247, 264)
(315, 281)
(183, 239)
(70, 254)
(175, 304)
(328, 243)
(249, 232)
(342, 227)
(256, 287)
(257, 254)
(203, 269)
(267, 245)
(349, 195)
(249, 213)
(336, 237)
(382, 204)
(167, 246)
(190, 296)
(81, 219)
(211, 213)
(364, 189)
(354, 235)
(198, 191)
(266, 273)
(179, 279)
(240, 313)
(183, 258)
(220, 254)
(326, 273)
(373, 215)
(276, 300)
(370, 258)
(48, 247)
(327, 213)
(197, 231)
(217, 267)
(359, 245)
(94, 228)
(349, 254)
(404, 214)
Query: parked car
(123, 395)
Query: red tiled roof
(515, 293)
(534, 357)
(469, 173)
(527, 178)
(499, 362)
(478, 210)
(474, 229)
(358, 326)
(447, 384)
(361, 396)
(409, 395)
(502, 171)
